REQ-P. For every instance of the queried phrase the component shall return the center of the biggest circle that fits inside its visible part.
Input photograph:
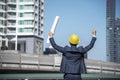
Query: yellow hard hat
(74, 39)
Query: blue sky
(79, 17)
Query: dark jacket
(72, 57)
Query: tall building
(22, 25)
(117, 24)
(112, 33)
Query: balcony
(2, 14)
(27, 2)
(2, 10)
(2, 2)
(11, 9)
(2, 25)
(11, 31)
(11, 25)
(2, 18)
(26, 18)
(11, 2)
(13, 17)
(1, 33)
(25, 33)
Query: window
(1, 22)
(28, 22)
(114, 58)
(12, 0)
(20, 14)
(28, 14)
(1, 14)
(21, 7)
(25, 0)
(28, 0)
(2, 7)
(21, 30)
(1, 29)
(21, 22)
(20, 0)
(28, 7)
(28, 30)
(11, 30)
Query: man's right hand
(51, 34)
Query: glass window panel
(28, 14)
(21, 0)
(28, 22)
(28, 7)
(29, 30)
(25, 0)
(1, 22)
(20, 14)
(21, 22)
(21, 7)
(21, 30)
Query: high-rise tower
(112, 33)
(22, 25)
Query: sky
(79, 17)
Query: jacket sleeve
(87, 48)
(57, 47)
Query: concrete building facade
(22, 25)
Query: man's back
(72, 59)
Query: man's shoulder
(67, 46)
(80, 47)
